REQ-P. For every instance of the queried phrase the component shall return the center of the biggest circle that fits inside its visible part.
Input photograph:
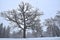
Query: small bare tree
(52, 29)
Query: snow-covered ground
(43, 38)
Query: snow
(43, 38)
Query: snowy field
(45, 38)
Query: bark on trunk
(24, 31)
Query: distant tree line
(4, 32)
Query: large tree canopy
(25, 16)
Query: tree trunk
(24, 31)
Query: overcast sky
(48, 7)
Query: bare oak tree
(24, 17)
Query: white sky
(48, 7)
